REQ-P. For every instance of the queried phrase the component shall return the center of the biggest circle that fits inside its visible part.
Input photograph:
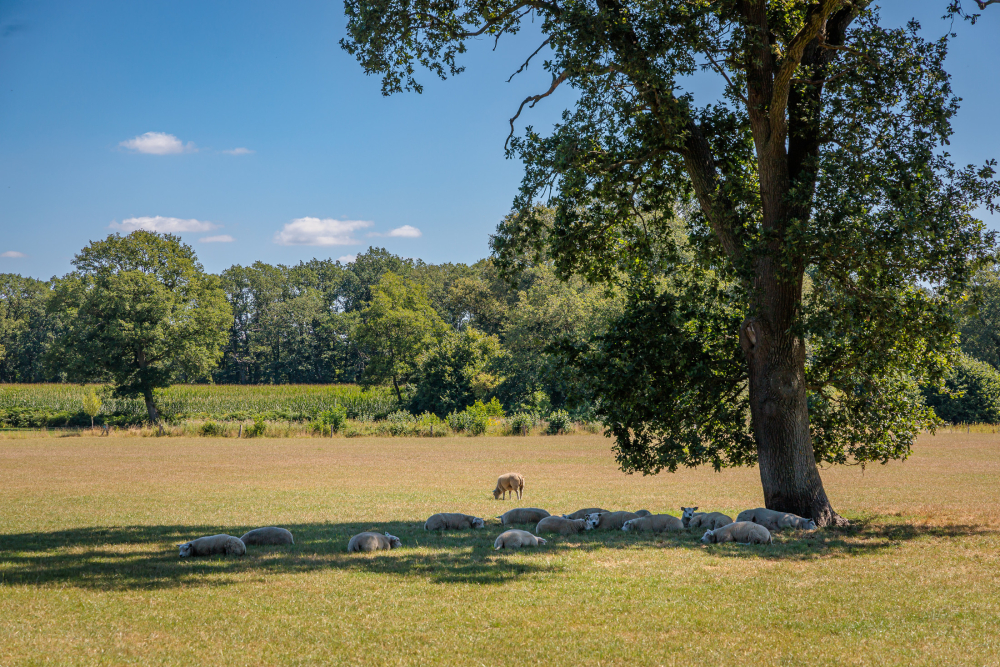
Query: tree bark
(154, 417)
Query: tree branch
(535, 99)
(522, 67)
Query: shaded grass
(89, 572)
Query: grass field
(89, 572)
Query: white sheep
(557, 524)
(710, 520)
(511, 481)
(582, 514)
(373, 542)
(515, 539)
(642, 513)
(223, 545)
(453, 521)
(656, 523)
(776, 521)
(268, 535)
(612, 520)
(522, 515)
(744, 532)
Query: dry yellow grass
(89, 572)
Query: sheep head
(185, 549)
(686, 514)
(478, 523)
(394, 542)
(708, 537)
(496, 493)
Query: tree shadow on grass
(146, 557)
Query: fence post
(240, 435)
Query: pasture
(90, 574)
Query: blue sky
(246, 121)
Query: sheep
(450, 521)
(612, 520)
(224, 545)
(582, 514)
(523, 515)
(373, 542)
(687, 513)
(557, 524)
(776, 521)
(515, 539)
(710, 520)
(744, 532)
(642, 513)
(511, 481)
(269, 535)
(656, 523)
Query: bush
(335, 417)
(559, 422)
(974, 388)
(521, 423)
(400, 422)
(471, 420)
(212, 429)
(257, 429)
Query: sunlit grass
(89, 572)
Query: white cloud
(163, 225)
(407, 232)
(12, 254)
(158, 143)
(347, 259)
(221, 238)
(319, 231)
(239, 151)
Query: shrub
(212, 429)
(521, 423)
(335, 417)
(559, 422)
(400, 422)
(257, 429)
(471, 420)
(974, 388)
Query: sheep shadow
(146, 557)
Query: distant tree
(91, 405)
(463, 367)
(971, 393)
(365, 272)
(396, 326)
(981, 324)
(27, 329)
(140, 310)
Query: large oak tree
(824, 165)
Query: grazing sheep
(557, 524)
(453, 521)
(710, 520)
(373, 542)
(511, 481)
(223, 545)
(269, 535)
(582, 514)
(744, 532)
(776, 521)
(515, 539)
(523, 515)
(656, 523)
(612, 520)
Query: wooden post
(241, 432)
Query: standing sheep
(511, 481)
(612, 520)
(515, 539)
(557, 524)
(657, 523)
(221, 545)
(582, 514)
(453, 521)
(776, 521)
(743, 532)
(373, 542)
(269, 535)
(522, 515)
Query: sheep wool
(710, 520)
(373, 542)
(213, 545)
(515, 539)
(557, 524)
(656, 523)
(582, 514)
(268, 535)
(776, 521)
(744, 532)
(523, 515)
(511, 481)
(613, 520)
(453, 521)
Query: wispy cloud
(12, 254)
(405, 232)
(347, 259)
(221, 238)
(319, 231)
(158, 143)
(163, 225)
(239, 151)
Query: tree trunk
(399, 396)
(780, 415)
(154, 417)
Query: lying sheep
(744, 532)
(373, 542)
(642, 513)
(688, 513)
(453, 521)
(515, 539)
(656, 523)
(582, 514)
(511, 481)
(223, 545)
(612, 520)
(523, 515)
(710, 520)
(269, 535)
(776, 521)
(557, 524)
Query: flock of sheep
(751, 526)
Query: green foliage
(972, 394)
(92, 404)
(474, 420)
(981, 323)
(141, 312)
(27, 330)
(212, 429)
(559, 422)
(457, 371)
(522, 423)
(256, 430)
(335, 417)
